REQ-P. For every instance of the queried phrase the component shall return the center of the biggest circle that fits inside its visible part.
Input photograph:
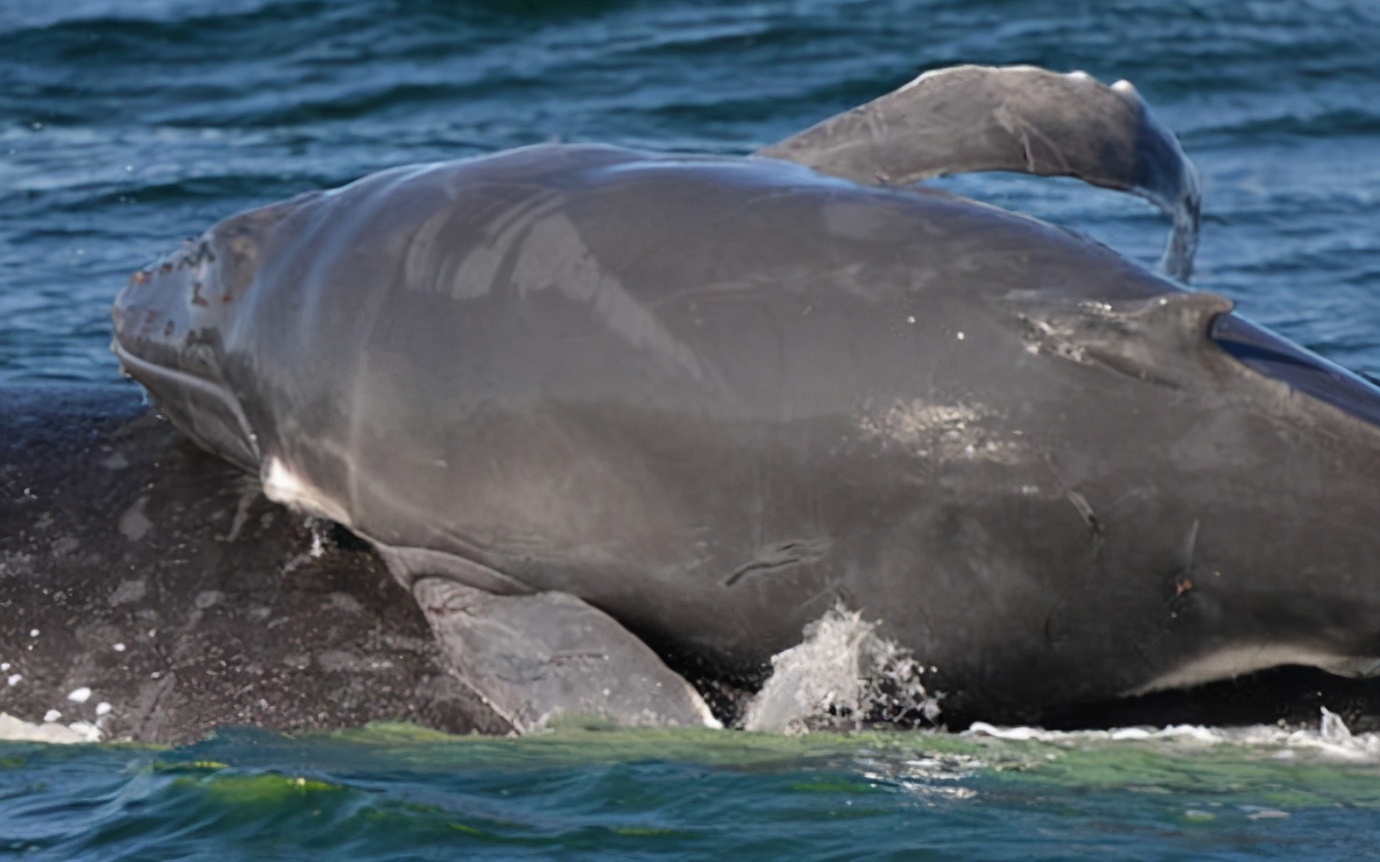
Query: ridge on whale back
(602, 411)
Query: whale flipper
(535, 658)
(1018, 118)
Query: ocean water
(126, 125)
(393, 793)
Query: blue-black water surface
(128, 124)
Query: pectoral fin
(1018, 118)
(536, 658)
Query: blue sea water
(126, 125)
(392, 793)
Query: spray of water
(841, 676)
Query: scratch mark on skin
(1085, 511)
(1190, 546)
(1096, 537)
(248, 494)
(1049, 623)
(567, 657)
(1183, 580)
(451, 607)
(831, 591)
(146, 716)
(781, 556)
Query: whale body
(617, 418)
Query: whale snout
(161, 303)
(166, 324)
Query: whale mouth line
(145, 369)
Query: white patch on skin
(951, 432)
(1238, 660)
(14, 679)
(51, 716)
(1126, 90)
(17, 730)
(128, 591)
(134, 524)
(102, 708)
(281, 485)
(80, 695)
(115, 461)
(345, 602)
(1056, 339)
(87, 731)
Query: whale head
(168, 323)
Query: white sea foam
(1331, 739)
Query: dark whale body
(252, 628)
(712, 399)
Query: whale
(150, 593)
(154, 582)
(626, 425)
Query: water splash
(840, 675)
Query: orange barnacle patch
(140, 277)
(1182, 586)
(197, 298)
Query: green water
(394, 792)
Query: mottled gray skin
(716, 397)
(157, 577)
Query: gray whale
(585, 400)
